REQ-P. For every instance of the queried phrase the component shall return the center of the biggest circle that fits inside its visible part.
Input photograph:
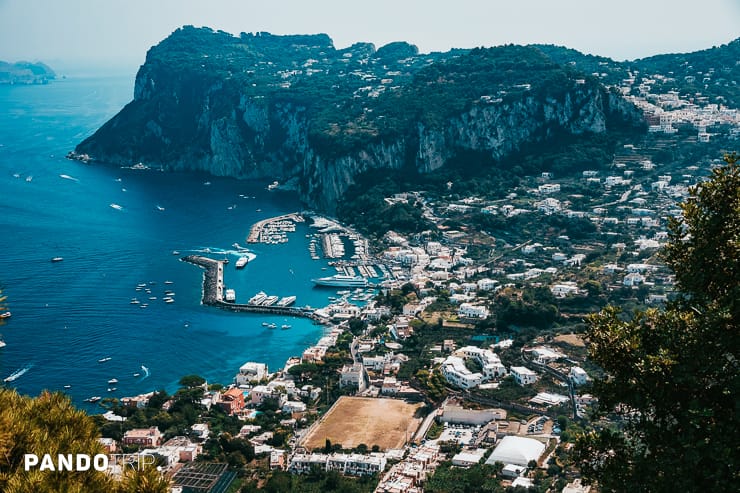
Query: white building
(564, 289)
(523, 375)
(578, 375)
(468, 310)
(457, 374)
(251, 372)
(489, 361)
(353, 376)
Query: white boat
(287, 301)
(230, 295)
(103, 360)
(257, 298)
(175, 252)
(160, 208)
(113, 380)
(285, 326)
(241, 262)
(57, 259)
(2, 343)
(269, 301)
(265, 324)
(29, 178)
(16, 374)
(169, 282)
(5, 315)
(272, 326)
(168, 300)
(342, 280)
(116, 207)
(134, 301)
(67, 386)
(112, 389)
(93, 399)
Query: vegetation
(672, 375)
(50, 424)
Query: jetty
(258, 228)
(213, 292)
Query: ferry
(287, 301)
(342, 280)
(269, 301)
(57, 259)
(257, 298)
(242, 262)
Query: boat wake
(17, 374)
(146, 372)
(238, 252)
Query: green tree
(672, 375)
(50, 424)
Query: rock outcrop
(296, 110)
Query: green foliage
(191, 381)
(478, 478)
(50, 424)
(672, 375)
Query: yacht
(242, 262)
(287, 301)
(342, 280)
(113, 380)
(257, 298)
(269, 301)
(93, 399)
(116, 207)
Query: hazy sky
(118, 32)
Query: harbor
(274, 229)
(214, 293)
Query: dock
(256, 232)
(213, 292)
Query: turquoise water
(68, 315)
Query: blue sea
(68, 315)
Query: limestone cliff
(294, 109)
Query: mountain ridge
(296, 109)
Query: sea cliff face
(276, 119)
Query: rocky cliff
(297, 110)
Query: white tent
(516, 450)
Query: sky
(117, 33)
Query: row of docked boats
(263, 299)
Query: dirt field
(572, 339)
(355, 420)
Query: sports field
(355, 420)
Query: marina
(213, 293)
(274, 230)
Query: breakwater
(213, 292)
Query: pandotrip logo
(86, 462)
